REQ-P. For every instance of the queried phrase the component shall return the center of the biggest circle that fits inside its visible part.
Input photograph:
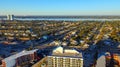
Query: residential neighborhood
(36, 43)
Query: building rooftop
(61, 52)
(68, 55)
(19, 54)
(101, 62)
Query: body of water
(65, 19)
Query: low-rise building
(113, 60)
(101, 62)
(19, 58)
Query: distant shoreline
(65, 18)
(61, 16)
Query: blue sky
(60, 7)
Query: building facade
(19, 58)
(10, 17)
(56, 61)
(62, 57)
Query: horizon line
(58, 15)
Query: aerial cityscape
(63, 33)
